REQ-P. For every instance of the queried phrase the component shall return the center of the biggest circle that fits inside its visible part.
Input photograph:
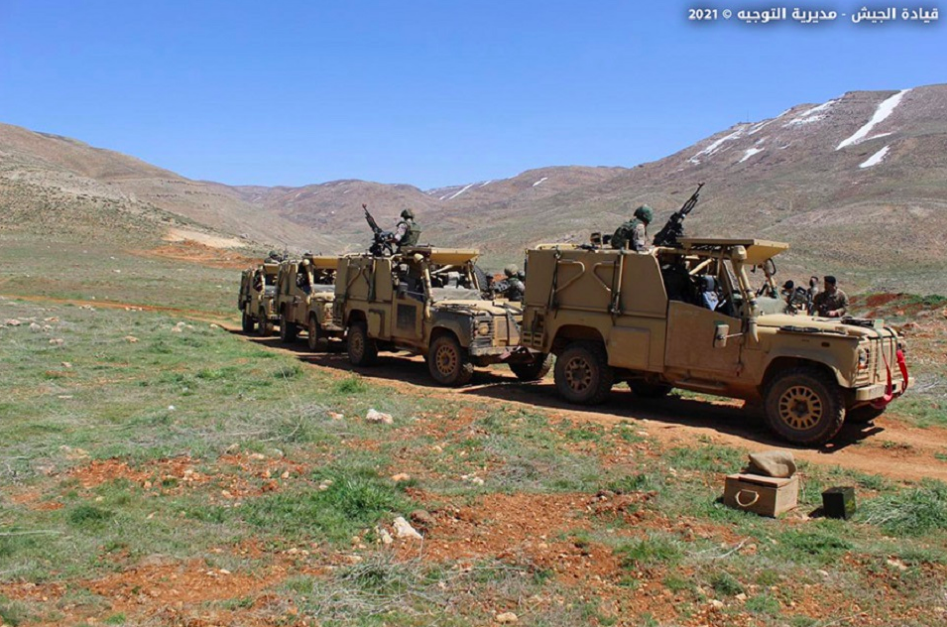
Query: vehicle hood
(495, 308)
(828, 326)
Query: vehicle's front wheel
(449, 362)
(314, 338)
(287, 330)
(265, 327)
(583, 375)
(804, 406)
(247, 322)
(533, 370)
(864, 414)
(363, 351)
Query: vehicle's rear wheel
(649, 390)
(363, 351)
(247, 322)
(449, 362)
(533, 370)
(804, 406)
(314, 338)
(583, 374)
(287, 329)
(864, 414)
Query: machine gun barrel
(371, 220)
(673, 229)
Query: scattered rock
(13, 322)
(57, 341)
(896, 563)
(336, 416)
(171, 407)
(507, 618)
(741, 597)
(422, 519)
(35, 327)
(257, 456)
(401, 476)
(716, 604)
(403, 529)
(214, 326)
(375, 416)
(66, 364)
(472, 479)
(176, 330)
(325, 485)
(385, 537)
(823, 573)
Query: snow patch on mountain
(540, 181)
(749, 153)
(713, 147)
(461, 191)
(875, 159)
(881, 113)
(815, 114)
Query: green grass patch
(910, 511)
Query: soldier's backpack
(412, 234)
(624, 234)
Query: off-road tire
(265, 327)
(649, 390)
(448, 362)
(287, 330)
(247, 322)
(482, 280)
(533, 370)
(863, 415)
(314, 338)
(583, 375)
(804, 406)
(363, 351)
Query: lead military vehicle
(304, 295)
(256, 298)
(428, 301)
(686, 316)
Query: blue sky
(423, 92)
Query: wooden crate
(766, 496)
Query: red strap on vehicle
(889, 388)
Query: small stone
(257, 456)
(896, 563)
(35, 327)
(336, 416)
(716, 604)
(57, 341)
(66, 364)
(224, 571)
(824, 573)
(741, 597)
(131, 339)
(176, 330)
(171, 407)
(214, 326)
(386, 538)
(403, 529)
(506, 618)
(13, 322)
(401, 476)
(422, 519)
(285, 475)
(375, 416)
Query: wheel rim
(578, 374)
(445, 360)
(800, 408)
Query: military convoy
(682, 314)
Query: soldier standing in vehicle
(633, 234)
(812, 292)
(511, 287)
(831, 302)
(407, 231)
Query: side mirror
(721, 333)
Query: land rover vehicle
(646, 318)
(255, 302)
(428, 301)
(304, 295)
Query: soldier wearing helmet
(633, 234)
(407, 232)
(511, 287)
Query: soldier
(830, 303)
(274, 257)
(812, 292)
(511, 287)
(633, 234)
(407, 232)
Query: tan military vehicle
(428, 301)
(304, 295)
(688, 317)
(255, 302)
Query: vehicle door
(409, 301)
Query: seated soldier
(633, 234)
(708, 292)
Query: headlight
(483, 328)
(863, 357)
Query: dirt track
(888, 447)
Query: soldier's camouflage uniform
(824, 302)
